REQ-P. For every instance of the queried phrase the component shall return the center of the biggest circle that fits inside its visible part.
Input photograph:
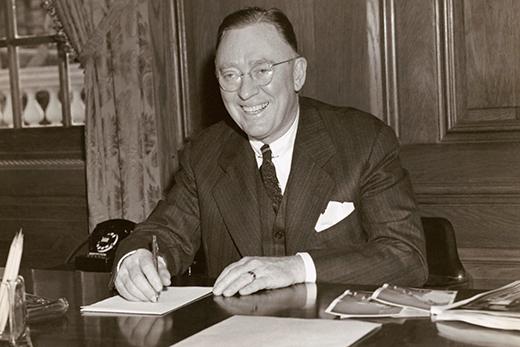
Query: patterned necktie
(268, 173)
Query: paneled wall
(43, 192)
(458, 93)
(443, 73)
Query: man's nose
(248, 88)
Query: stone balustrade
(40, 88)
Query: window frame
(12, 41)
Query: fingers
(234, 277)
(238, 284)
(251, 274)
(164, 274)
(230, 268)
(126, 288)
(121, 289)
(147, 268)
(138, 280)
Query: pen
(155, 251)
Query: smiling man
(291, 190)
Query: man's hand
(137, 279)
(251, 274)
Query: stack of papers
(170, 299)
(498, 309)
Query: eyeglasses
(262, 74)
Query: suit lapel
(236, 197)
(310, 183)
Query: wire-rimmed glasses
(262, 74)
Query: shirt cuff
(123, 258)
(310, 269)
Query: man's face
(265, 113)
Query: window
(38, 86)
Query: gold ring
(252, 274)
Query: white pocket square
(335, 212)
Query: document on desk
(171, 298)
(239, 331)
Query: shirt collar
(281, 145)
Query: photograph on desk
(498, 309)
(389, 301)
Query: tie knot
(266, 152)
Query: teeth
(255, 109)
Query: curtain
(123, 165)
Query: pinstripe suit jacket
(340, 154)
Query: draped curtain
(112, 39)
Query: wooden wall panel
(493, 80)
(417, 71)
(477, 223)
(491, 267)
(50, 205)
(481, 77)
(169, 98)
(464, 159)
(470, 169)
(340, 64)
(44, 192)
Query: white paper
(170, 299)
(334, 213)
(240, 331)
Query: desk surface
(81, 288)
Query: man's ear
(299, 73)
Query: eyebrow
(251, 64)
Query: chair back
(445, 268)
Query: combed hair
(253, 15)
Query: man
(337, 205)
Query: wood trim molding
(42, 164)
(375, 54)
(451, 76)
(468, 172)
(492, 266)
(491, 255)
(390, 85)
(442, 196)
(171, 88)
(184, 102)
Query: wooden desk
(81, 288)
